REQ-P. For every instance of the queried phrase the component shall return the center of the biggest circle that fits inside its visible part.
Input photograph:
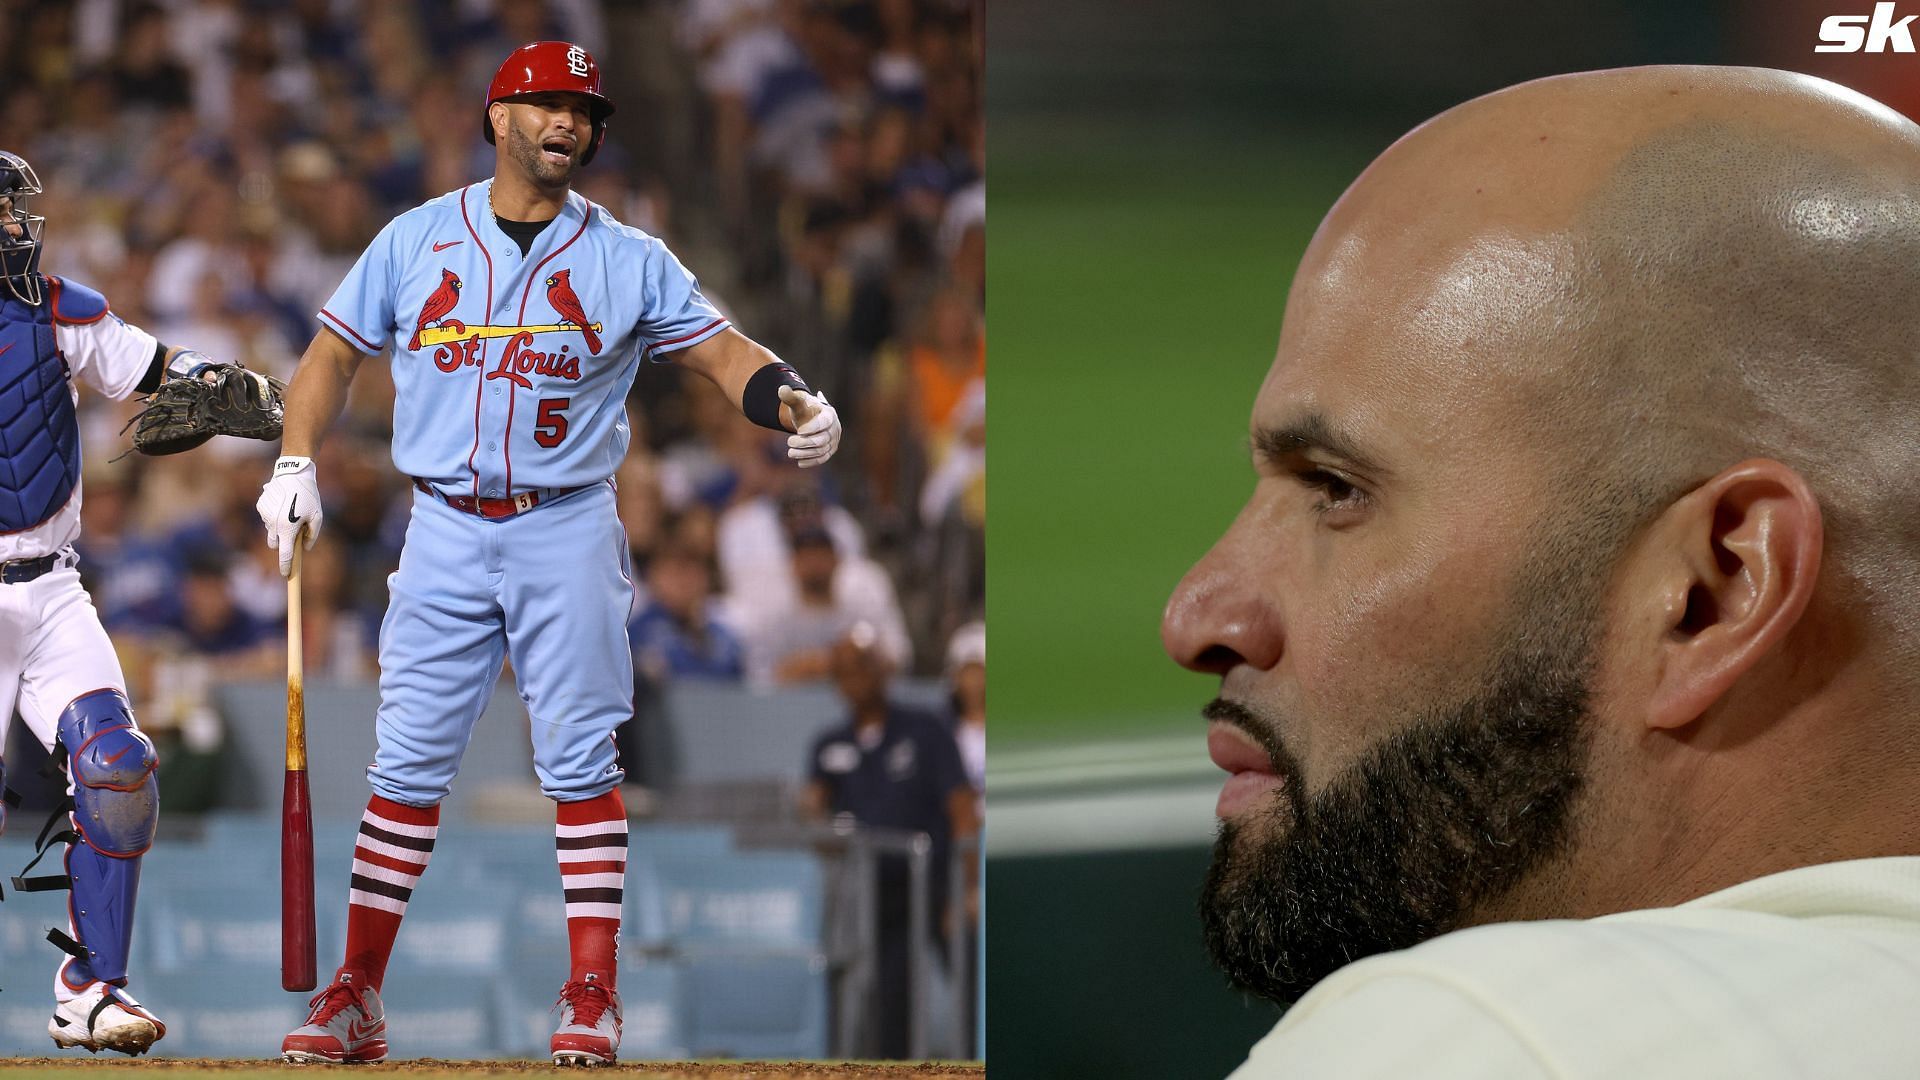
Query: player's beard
(541, 172)
(1443, 817)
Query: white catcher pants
(52, 650)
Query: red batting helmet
(544, 67)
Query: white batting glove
(816, 427)
(289, 503)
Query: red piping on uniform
(480, 383)
(522, 318)
(342, 323)
(506, 441)
(658, 345)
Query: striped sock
(388, 859)
(591, 839)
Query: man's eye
(1335, 492)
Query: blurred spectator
(933, 391)
(957, 484)
(130, 576)
(967, 675)
(793, 641)
(895, 768)
(177, 712)
(210, 624)
(680, 633)
(754, 551)
(340, 641)
(145, 74)
(638, 501)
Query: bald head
(1585, 500)
(1654, 273)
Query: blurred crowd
(215, 166)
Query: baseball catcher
(57, 667)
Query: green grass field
(1137, 277)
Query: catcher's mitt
(227, 399)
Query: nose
(1217, 618)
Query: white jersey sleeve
(107, 354)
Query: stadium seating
(756, 1006)
(754, 901)
(219, 1011)
(721, 952)
(430, 1015)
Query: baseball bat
(457, 331)
(297, 960)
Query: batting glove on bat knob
(816, 427)
(289, 503)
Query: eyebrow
(1307, 433)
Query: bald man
(1567, 641)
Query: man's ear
(1742, 553)
(499, 117)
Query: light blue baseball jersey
(511, 372)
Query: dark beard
(1455, 810)
(540, 172)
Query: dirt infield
(65, 1068)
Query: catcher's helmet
(19, 230)
(544, 67)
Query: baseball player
(517, 314)
(57, 667)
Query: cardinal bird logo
(560, 295)
(438, 305)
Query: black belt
(21, 571)
(496, 508)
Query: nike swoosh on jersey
(448, 244)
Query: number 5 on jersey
(550, 424)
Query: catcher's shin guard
(116, 806)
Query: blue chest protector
(39, 433)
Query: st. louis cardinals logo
(560, 295)
(456, 345)
(438, 306)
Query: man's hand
(289, 503)
(816, 427)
